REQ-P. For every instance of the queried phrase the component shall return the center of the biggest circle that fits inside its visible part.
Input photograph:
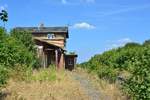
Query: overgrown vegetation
(25, 39)
(17, 55)
(46, 84)
(48, 74)
(3, 75)
(130, 64)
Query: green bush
(13, 52)
(108, 73)
(25, 38)
(17, 54)
(134, 59)
(138, 84)
(3, 75)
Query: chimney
(41, 25)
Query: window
(50, 36)
(70, 62)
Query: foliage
(48, 74)
(108, 73)
(25, 38)
(16, 55)
(3, 75)
(134, 59)
(4, 16)
(138, 85)
(14, 52)
(20, 73)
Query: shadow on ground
(3, 95)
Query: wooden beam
(56, 58)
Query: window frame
(50, 35)
(70, 62)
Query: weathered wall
(44, 35)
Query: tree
(25, 38)
(4, 16)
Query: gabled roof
(45, 29)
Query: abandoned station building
(51, 46)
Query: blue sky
(94, 25)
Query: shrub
(25, 38)
(13, 52)
(134, 59)
(138, 84)
(17, 54)
(108, 73)
(3, 75)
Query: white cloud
(118, 43)
(124, 40)
(83, 25)
(64, 1)
(77, 2)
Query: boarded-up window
(70, 61)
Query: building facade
(51, 45)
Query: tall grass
(47, 74)
(46, 84)
(28, 74)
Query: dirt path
(92, 92)
(67, 86)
